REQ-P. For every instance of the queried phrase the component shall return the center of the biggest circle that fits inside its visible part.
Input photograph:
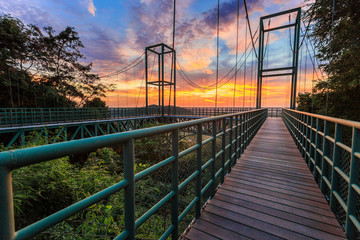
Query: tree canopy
(338, 50)
(42, 68)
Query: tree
(95, 102)
(338, 50)
(42, 68)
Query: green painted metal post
(230, 143)
(198, 168)
(325, 153)
(129, 193)
(7, 225)
(307, 134)
(336, 159)
(162, 81)
(213, 150)
(146, 82)
(223, 144)
(246, 142)
(242, 133)
(302, 130)
(354, 180)
(317, 139)
(260, 59)
(175, 183)
(311, 155)
(236, 139)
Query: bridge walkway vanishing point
(269, 194)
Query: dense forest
(42, 68)
(336, 38)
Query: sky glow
(116, 32)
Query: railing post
(129, 193)
(198, 168)
(307, 140)
(242, 133)
(354, 176)
(213, 151)
(236, 138)
(246, 131)
(230, 143)
(7, 225)
(302, 131)
(311, 156)
(175, 183)
(336, 158)
(223, 144)
(325, 153)
(316, 159)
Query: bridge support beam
(161, 50)
(284, 71)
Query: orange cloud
(91, 7)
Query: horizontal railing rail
(331, 148)
(274, 112)
(235, 131)
(12, 117)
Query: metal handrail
(241, 128)
(312, 134)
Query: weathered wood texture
(270, 194)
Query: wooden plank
(197, 234)
(303, 206)
(279, 206)
(237, 227)
(265, 227)
(269, 194)
(259, 173)
(216, 230)
(291, 192)
(274, 182)
(303, 200)
(291, 226)
(289, 216)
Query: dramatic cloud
(119, 34)
(91, 7)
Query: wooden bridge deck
(270, 194)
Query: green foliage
(42, 189)
(339, 52)
(45, 188)
(95, 102)
(43, 69)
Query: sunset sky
(115, 33)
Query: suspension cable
(212, 86)
(237, 47)
(126, 68)
(248, 22)
(217, 51)
(244, 68)
(172, 59)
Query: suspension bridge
(251, 173)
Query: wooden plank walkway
(270, 194)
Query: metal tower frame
(161, 83)
(295, 51)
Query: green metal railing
(275, 112)
(10, 117)
(331, 148)
(234, 130)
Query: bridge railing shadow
(211, 162)
(331, 149)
